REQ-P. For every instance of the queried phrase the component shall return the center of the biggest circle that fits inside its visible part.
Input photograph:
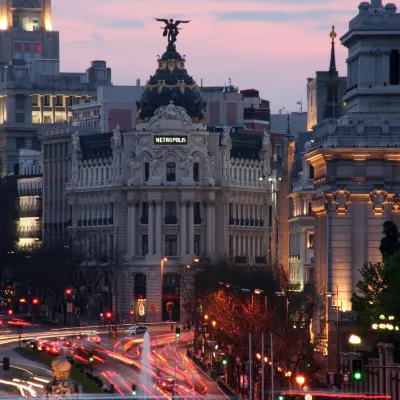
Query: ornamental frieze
(319, 204)
(378, 198)
(181, 85)
(341, 198)
(396, 203)
(171, 65)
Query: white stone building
(168, 189)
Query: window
(230, 246)
(311, 172)
(394, 67)
(19, 102)
(16, 21)
(46, 100)
(59, 101)
(196, 172)
(197, 212)
(309, 208)
(17, 47)
(269, 216)
(310, 243)
(197, 245)
(171, 248)
(35, 24)
(171, 172)
(19, 117)
(145, 213)
(230, 210)
(145, 245)
(35, 100)
(146, 168)
(27, 47)
(37, 48)
(170, 212)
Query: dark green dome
(171, 82)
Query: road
(119, 364)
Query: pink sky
(270, 45)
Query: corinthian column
(191, 229)
(183, 232)
(132, 223)
(158, 228)
(209, 229)
(150, 228)
(129, 229)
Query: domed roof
(171, 82)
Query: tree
(368, 302)
(390, 295)
(390, 243)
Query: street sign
(69, 307)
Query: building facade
(156, 198)
(355, 158)
(29, 186)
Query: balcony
(144, 220)
(100, 221)
(231, 221)
(111, 221)
(170, 220)
(30, 213)
(260, 260)
(240, 260)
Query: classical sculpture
(61, 385)
(153, 168)
(187, 166)
(117, 137)
(75, 141)
(170, 112)
(208, 165)
(171, 29)
(226, 136)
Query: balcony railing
(197, 220)
(32, 234)
(246, 222)
(144, 220)
(30, 192)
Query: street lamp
(354, 339)
(162, 261)
(300, 380)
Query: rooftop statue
(171, 29)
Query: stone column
(183, 232)
(150, 228)
(191, 229)
(209, 229)
(133, 231)
(129, 229)
(158, 228)
(234, 245)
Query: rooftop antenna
(300, 103)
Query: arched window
(171, 302)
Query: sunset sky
(270, 45)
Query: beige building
(169, 189)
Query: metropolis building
(356, 158)
(152, 200)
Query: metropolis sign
(175, 139)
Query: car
(136, 330)
(166, 383)
(91, 338)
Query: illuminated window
(310, 241)
(35, 24)
(17, 47)
(27, 47)
(37, 48)
(16, 21)
(35, 100)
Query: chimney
(137, 82)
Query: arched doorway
(171, 303)
(139, 301)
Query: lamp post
(162, 261)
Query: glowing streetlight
(354, 339)
(300, 380)
(206, 317)
(214, 323)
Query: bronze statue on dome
(171, 28)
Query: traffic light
(133, 390)
(35, 301)
(91, 358)
(108, 315)
(357, 370)
(224, 362)
(281, 397)
(178, 332)
(132, 312)
(68, 292)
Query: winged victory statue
(171, 29)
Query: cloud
(276, 16)
(123, 24)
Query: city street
(117, 363)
